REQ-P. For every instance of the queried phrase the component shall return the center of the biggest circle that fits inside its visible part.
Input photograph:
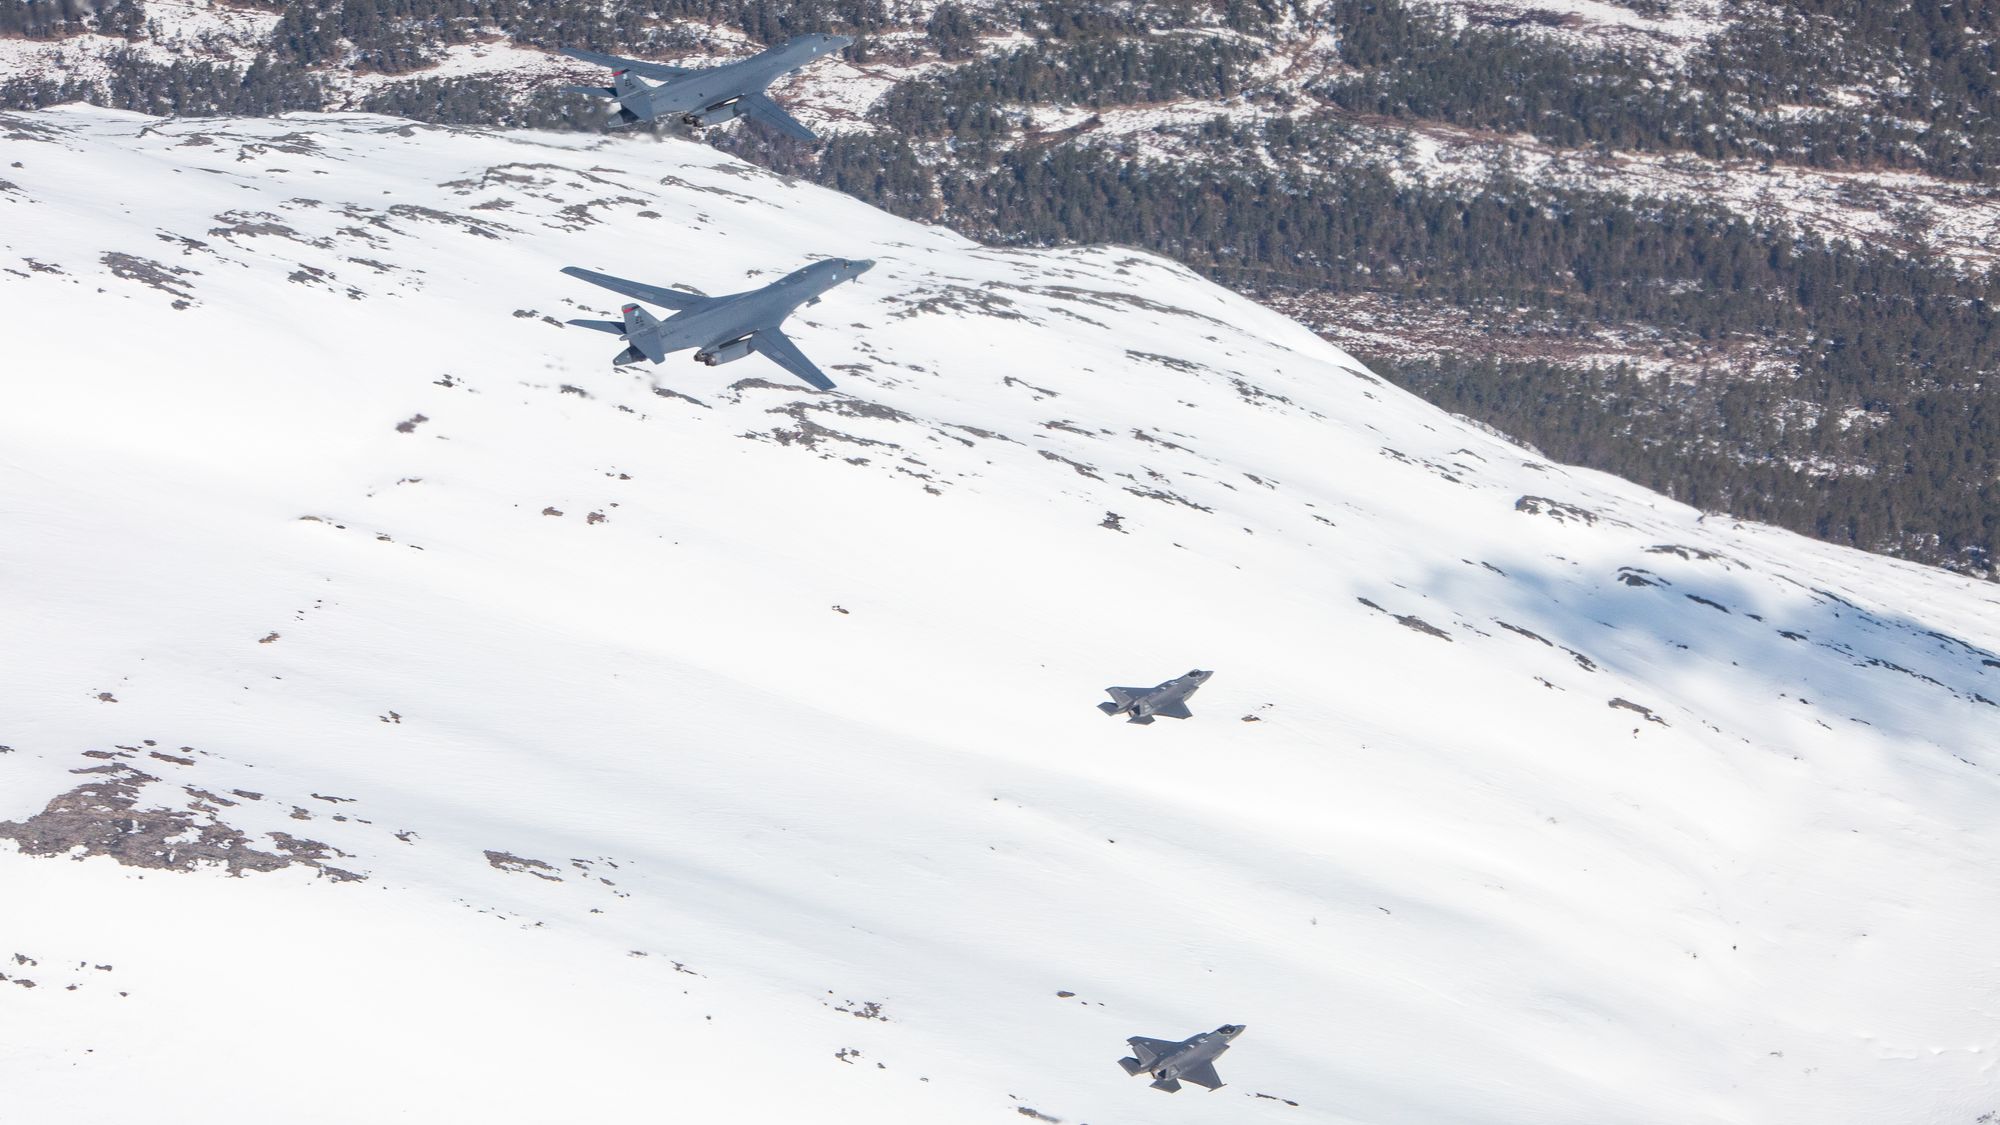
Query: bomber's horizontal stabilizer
(594, 91)
(614, 327)
(1132, 1066)
(629, 355)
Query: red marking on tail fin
(629, 308)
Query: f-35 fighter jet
(707, 96)
(722, 329)
(1192, 1058)
(1169, 699)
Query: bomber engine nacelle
(727, 353)
(715, 115)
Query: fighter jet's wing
(766, 111)
(1126, 695)
(779, 347)
(1203, 1075)
(1178, 709)
(636, 66)
(1150, 1049)
(651, 294)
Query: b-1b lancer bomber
(722, 329)
(1169, 699)
(707, 96)
(1192, 1058)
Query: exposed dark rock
(1411, 621)
(665, 393)
(1081, 468)
(1628, 705)
(1172, 362)
(103, 817)
(505, 861)
(1164, 496)
(1543, 506)
(1690, 553)
(146, 271)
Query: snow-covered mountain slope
(614, 745)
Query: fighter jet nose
(840, 41)
(864, 265)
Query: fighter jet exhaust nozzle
(714, 115)
(727, 353)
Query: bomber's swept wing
(1150, 1049)
(651, 294)
(1178, 709)
(637, 66)
(784, 353)
(1203, 1075)
(764, 110)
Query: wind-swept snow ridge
(622, 745)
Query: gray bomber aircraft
(1169, 699)
(1192, 1058)
(722, 329)
(707, 96)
